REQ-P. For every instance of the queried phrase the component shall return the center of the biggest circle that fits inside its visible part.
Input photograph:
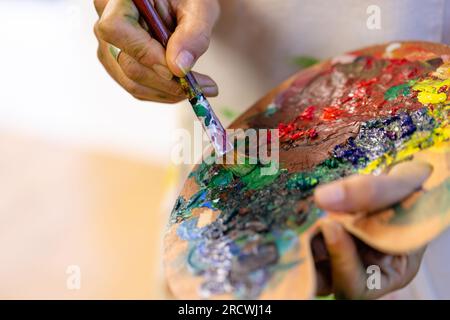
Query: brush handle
(154, 21)
(162, 34)
(202, 108)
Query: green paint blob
(240, 170)
(203, 172)
(256, 180)
(393, 92)
(304, 62)
(303, 181)
(222, 178)
(329, 170)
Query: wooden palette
(234, 234)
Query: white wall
(52, 86)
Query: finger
(135, 89)
(147, 77)
(395, 271)
(370, 193)
(322, 265)
(208, 85)
(399, 270)
(347, 273)
(323, 282)
(192, 35)
(119, 26)
(100, 6)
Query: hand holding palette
(239, 234)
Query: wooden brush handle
(154, 21)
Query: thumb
(192, 35)
(370, 193)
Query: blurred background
(84, 176)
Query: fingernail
(162, 71)
(331, 231)
(185, 61)
(330, 194)
(210, 91)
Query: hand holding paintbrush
(200, 104)
(142, 65)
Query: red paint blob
(308, 114)
(355, 98)
(332, 113)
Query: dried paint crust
(356, 117)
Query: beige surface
(61, 207)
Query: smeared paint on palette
(235, 233)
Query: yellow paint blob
(428, 91)
(433, 98)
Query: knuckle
(203, 39)
(176, 89)
(139, 52)
(96, 32)
(133, 70)
(106, 27)
(133, 88)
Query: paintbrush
(211, 124)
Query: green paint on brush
(203, 112)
